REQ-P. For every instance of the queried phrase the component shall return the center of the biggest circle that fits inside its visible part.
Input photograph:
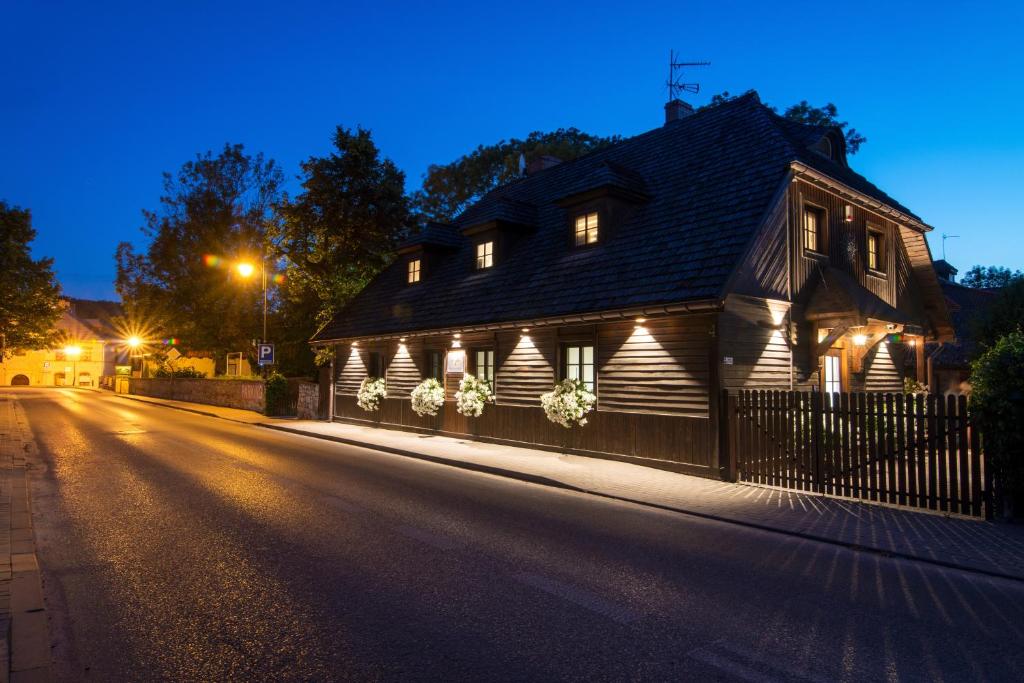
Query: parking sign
(265, 354)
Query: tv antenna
(675, 83)
(944, 238)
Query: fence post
(727, 435)
(817, 416)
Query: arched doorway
(20, 381)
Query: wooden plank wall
(658, 367)
(761, 357)
(351, 367)
(847, 248)
(883, 368)
(765, 272)
(405, 367)
(526, 366)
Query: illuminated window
(485, 255)
(814, 224)
(578, 363)
(586, 229)
(832, 375)
(484, 366)
(414, 271)
(874, 251)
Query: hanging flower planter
(427, 398)
(473, 393)
(568, 403)
(371, 392)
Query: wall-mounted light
(401, 339)
(848, 213)
(860, 339)
(525, 330)
(355, 343)
(457, 335)
(641, 321)
(913, 342)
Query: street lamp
(246, 270)
(73, 352)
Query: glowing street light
(245, 269)
(73, 352)
(134, 342)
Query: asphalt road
(181, 547)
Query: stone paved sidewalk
(990, 547)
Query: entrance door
(832, 372)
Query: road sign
(265, 354)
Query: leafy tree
(30, 303)
(337, 234)
(990, 277)
(214, 213)
(803, 112)
(1004, 315)
(997, 403)
(449, 188)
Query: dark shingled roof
(433, 234)
(709, 179)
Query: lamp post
(246, 269)
(73, 352)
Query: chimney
(676, 110)
(541, 163)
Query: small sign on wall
(456, 364)
(727, 360)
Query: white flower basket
(473, 393)
(568, 403)
(371, 392)
(427, 397)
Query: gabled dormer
(494, 227)
(600, 202)
(424, 250)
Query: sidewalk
(992, 548)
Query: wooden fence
(904, 449)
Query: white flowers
(427, 397)
(569, 403)
(371, 391)
(471, 396)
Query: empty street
(176, 546)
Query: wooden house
(729, 248)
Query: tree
(338, 233)
(1004, 315)
(214, 213)
(803, 112)
(997, 405)
(449, 188)
(990, 277)
(30, 302)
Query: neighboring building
(87, 326)
(948, 364)
(728, 249)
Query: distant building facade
(86, 326)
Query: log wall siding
(526, 365)
(404, 367)
(659, 367)
(761, 356)
(351, 365)
(883, 368)
(846, 248)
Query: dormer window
(484, 254)
(586, 229)
(414, 270)
(814, 226)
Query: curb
(184, 409)
(554, 483)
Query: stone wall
(308, 406)
(229, 393)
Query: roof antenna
(675, 83)
(944, 238)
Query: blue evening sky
(99, 98)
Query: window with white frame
(578, 363)
(484, 365)
(485, 254)
(586, 229)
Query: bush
(997, 406)
(165, 372)
(276, 394)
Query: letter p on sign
(265, 354)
